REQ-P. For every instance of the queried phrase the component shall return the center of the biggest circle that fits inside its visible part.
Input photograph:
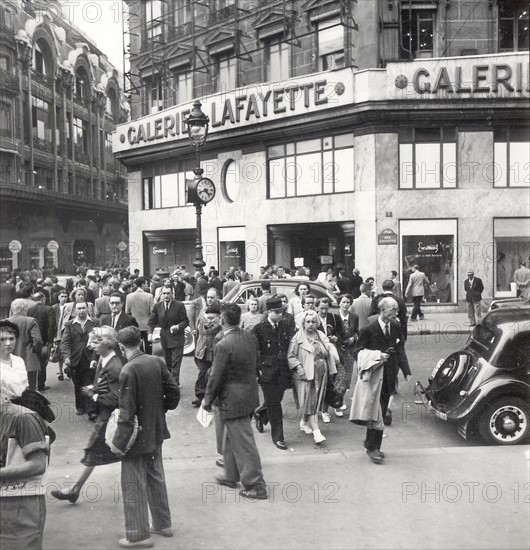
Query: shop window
(330, 44)
(427, 158)
(511, 157)
(511, 249)
(311, 167)
(183, 87)
(513, 26)
(417, 32)
(226, 73)
(430, 244)
(278, 61)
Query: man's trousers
(173, 361)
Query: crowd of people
(100, 330)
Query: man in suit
(208, 297)
(172, 319)
(140, 304)
(117, 319)
(416, 288)
(7, 296)
(384, 335)
(58, 321)
(77, 356)
(273, 335)
(45, 317)
(356, 282)
(142, 469)
(29, 342)
(233, 383)
(474, 288)
(388, 288)
(216, 282)
(265, 295)
(363, 304)
(229, 284)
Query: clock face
(205, 190)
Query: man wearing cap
(207, 297)
(474, 288)
(274, 335)
(208, 326)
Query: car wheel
(505, 421)
(189, 342)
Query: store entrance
(313, 245)
(164, 251)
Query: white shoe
(339, 413)
(326, 418)
(344, 407)
(318, 437)
(305, 428)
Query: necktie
(387, 332)
(113, 321)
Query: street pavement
(435, 490)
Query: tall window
(311, 167)
(183, 87)
(166, 190)
(226, 73)
(155, 101)
(6, 120)
(513, 26)
(82, 84)
(330, 44)
(153, 17)
(427, 158)
(183, 12)
(109, 157)
(41, 119)
(38, 62)
(278, 61)
(417, 33)
(511, 157)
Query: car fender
(475, 402)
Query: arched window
(82, 83)
(112, 104)
(42, 59)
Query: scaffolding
(184, 29)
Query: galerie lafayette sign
(247, 106)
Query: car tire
(449, 375)
(189, 342)
(506, 421)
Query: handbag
(112, 426)
(55, 354)
(333, 396)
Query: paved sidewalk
(436, 323)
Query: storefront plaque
(387, 236)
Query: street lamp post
(200, 191)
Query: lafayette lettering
(476, 79)
(234, 109)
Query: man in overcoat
(147, 391)
(474, 288)
(384, 334)
(233, 384)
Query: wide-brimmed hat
(274, 303)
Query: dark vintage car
(241, 293)
(519, 302)
(485, 387)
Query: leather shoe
(196, 402)
(126, 543)
(44, 388)
(220, 462)
(92, 417)
(259, 423)
(71, 496)
(255, 494)
(375, 456)
(60, 377)
(166, 532)
(281, 445)
(387, 421)
(225, 482)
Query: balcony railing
(46, 81)
(81, 156)
(183, 30)
(42, 144)
(223, 14)
(8, 82)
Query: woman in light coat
(310, 362)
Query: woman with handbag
(311, 363)
(105, 393)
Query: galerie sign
(247, 106)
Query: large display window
(431, 244)
(511, 246)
